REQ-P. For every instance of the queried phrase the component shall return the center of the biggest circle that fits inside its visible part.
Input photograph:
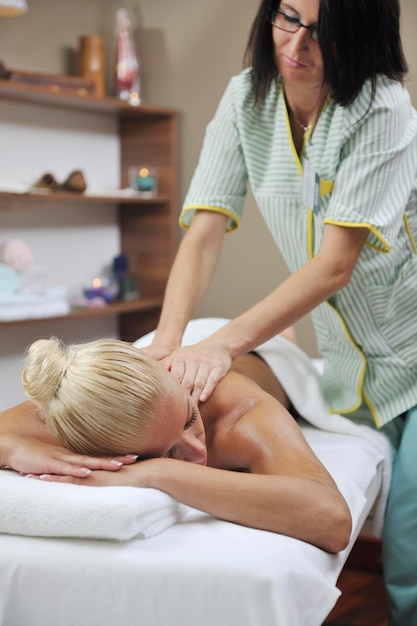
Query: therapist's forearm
(190, 276)
(187, 285)
(308, 287)
(297, 296)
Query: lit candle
(144, 180)
(96, 289)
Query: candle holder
(144, 180)
(104, 287)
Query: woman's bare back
(255, 368)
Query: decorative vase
(92, 61)
(127, 79)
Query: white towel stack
(23, 306)
(44, 509)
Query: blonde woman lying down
(240, 456)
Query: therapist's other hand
(32, 456)
(199, 368)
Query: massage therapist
(321, 127)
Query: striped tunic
(366, 158)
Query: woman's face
(177, 431)
(297, 55)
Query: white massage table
(198, 571)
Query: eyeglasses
(291, 24)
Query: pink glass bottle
(127, 79)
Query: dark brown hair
(358, 39)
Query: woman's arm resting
(297, 507)
(28, 455)
(26, 446)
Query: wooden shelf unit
(148, 227)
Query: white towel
(44, 509)
(301, 382)
(22, 305)
(34, 311)
(34, 280)
(9, 280)
(52, 294)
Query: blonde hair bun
(46, 363)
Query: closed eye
(290, 18)
(187, 425)
(192, 419)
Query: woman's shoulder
(242, 82)
(231, 398)
(241, 91)
(390, 97)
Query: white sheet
(200, 571)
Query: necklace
(305, 128)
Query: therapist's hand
(32, 456)
(200, 367)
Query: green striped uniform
(366, 158)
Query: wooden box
(56, 83)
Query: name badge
(311, 187)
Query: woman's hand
(137, 475)
(200, 367)
(32, 456)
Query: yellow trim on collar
(326, 186)
(290, 137)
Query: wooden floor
(363, 601)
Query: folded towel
(34, 280)
(9, 280)
(16, 253)
(24, 306)
(33, 311)
(301, 381)
(52, 294)
(44, 509)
